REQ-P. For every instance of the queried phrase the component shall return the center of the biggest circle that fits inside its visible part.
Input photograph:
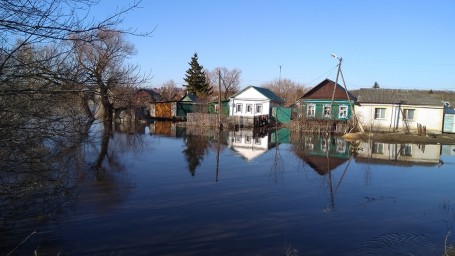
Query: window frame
(345, 112)
(377, 148)
(406, 150)
(258, 109)
(238, 107)
(249, 108)
(327, 114)
(406, 112)
(381, 112)
(312, 108)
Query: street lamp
(336, 80)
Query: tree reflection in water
(44, 173)
(196, 148)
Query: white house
(248, 145)
(406, 154)
(399, 110)
(253, 102)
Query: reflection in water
(250, 143)
(404, 154)
(50, 175)
(130, 195)
(325, 154)
(196, 148)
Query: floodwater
(166, 190)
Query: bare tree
(169, 90)
(286, 89)
(101, 66)
(230, 80)
(44, 115)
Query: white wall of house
(244, 143)
(389, 117)
(401, 152)
(249, 102)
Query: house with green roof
(253, 106)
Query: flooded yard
(167, 190)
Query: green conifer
(196, 80)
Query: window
(327, 110)
(238, 138)
(406, 150)
(238, 108)
(343, 112)
(257, 141)
(324, 145)
(309, 143)
(248, 140)
(378, 148)
(249, 108)
(259, 108)
(311, 110)
(379, 113)
(408, 114)
(341, 145)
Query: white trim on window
(327, 110)
(249, 108)
(238, 108)
(343, 111)
(311, 110)
(258, 108)
(408, 114)
(379, 113)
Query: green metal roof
(264, 91)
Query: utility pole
(219, 99)
(339, 72)
(279, 79)
(336, 81)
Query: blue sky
(399, 44)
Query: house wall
(401, 152)
(245, 143)
(428, 116)
(449, 121)
(319, 111)
(250, 96)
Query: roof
(189, 97)
(264, 91)
(398, 96)
(323, 166)
(154, 95)
(324, 90)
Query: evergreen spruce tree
(376, 85)
(196, 80)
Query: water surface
(164, 191)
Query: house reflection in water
(323, 154)
(250, 143)
(448, 150)
(164, 128)
(406, 154)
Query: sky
(407, 44)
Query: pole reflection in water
(143, 199)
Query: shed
(449, 120)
